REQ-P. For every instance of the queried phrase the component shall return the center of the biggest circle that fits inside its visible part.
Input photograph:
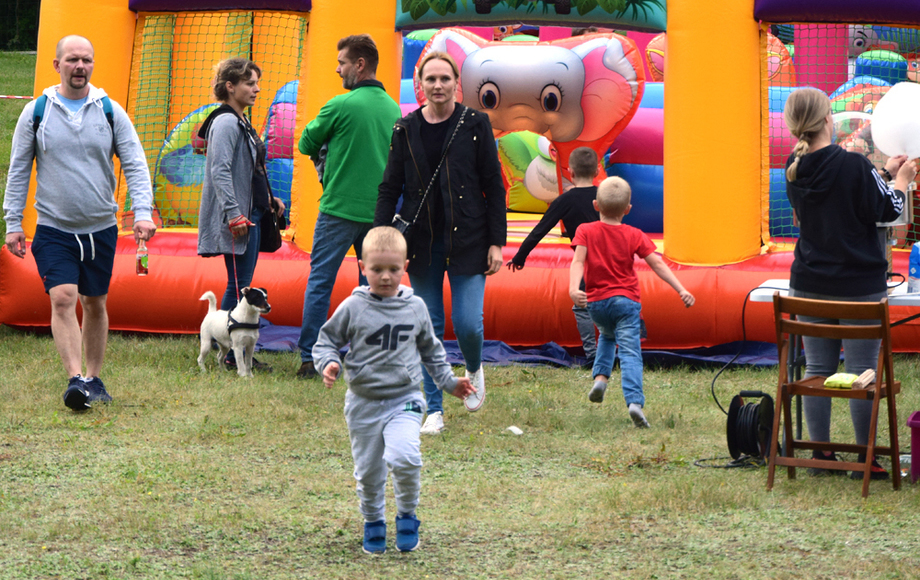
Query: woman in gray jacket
(235, 195)
(235, 192)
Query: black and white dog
(238, 329)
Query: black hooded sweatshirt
(838, 198)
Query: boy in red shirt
(604, 255)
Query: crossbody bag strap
(247, 136)
(441, 162)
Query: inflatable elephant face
(576, 89)
(527, 88)
(579, 91)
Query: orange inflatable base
(528, 307)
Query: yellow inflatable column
(113, 45)
(331, 20)
(113, 42)
(712, 131)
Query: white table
(897, 296)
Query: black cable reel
(750, 426)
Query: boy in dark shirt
(573, 208)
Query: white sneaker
(474, 401)
(434, 424)
(638, 418)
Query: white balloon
(896, 121)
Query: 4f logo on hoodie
(388, 338)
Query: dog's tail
(212, 301)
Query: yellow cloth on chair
(840, 381)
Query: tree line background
(19, 24)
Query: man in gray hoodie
(77, 230)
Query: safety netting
(855, 65)
(170, 95)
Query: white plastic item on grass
(515, 430)
(896, 121)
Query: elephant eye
(551, 98)
(489, 96)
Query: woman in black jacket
(459, 225)
(838, 197)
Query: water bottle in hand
(141, 261)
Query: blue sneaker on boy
(407, 533)
(375, 537)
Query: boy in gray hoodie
(390, 334)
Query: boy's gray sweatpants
(385, 437)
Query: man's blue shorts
(86, 260)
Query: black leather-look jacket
(471, 188)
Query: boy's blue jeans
(467, 294)
(617, 319)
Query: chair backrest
(784, 306)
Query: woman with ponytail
(838, 197)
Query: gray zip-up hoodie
(227, 189)
(75, 172)
(389, 338)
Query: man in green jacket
(355, 129)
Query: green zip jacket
(357, 127)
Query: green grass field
(190, 475)
(209, 476)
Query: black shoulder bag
(405, 227)
(271, 224)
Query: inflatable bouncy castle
(701, 148)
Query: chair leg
(870, 447)
(789, 447)
(893, 438)
(775, 443)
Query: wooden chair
(884, 387)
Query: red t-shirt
(609, 267)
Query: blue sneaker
(375, 537)
(96, 391)
(407, 533)
(76, 396)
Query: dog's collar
(236, 325)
